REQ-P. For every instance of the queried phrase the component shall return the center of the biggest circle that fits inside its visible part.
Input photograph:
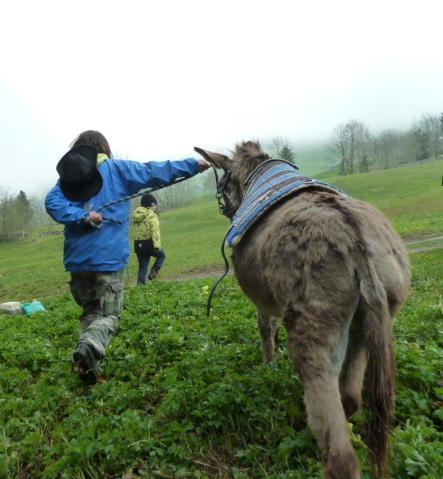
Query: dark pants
(144, 253)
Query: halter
(221, 190)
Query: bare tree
(180, 194)
(351, 141)
(431, 129)
(209, 184)
(339, 144)
(387, 148)
(40, 216)
(418, 144)
(6, 215)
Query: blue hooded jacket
(107, 248)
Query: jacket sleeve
(61, 209)
(154, 228)
(154, 174)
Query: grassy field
(411, 197)
(185, 396)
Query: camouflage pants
(100, 294)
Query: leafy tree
(282, 148)
(24, 211)
(287, 154)
(16, 214)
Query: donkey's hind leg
(353, 370)
(311, 342)
(268, 326)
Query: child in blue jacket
(96, 250)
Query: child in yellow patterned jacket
(147, 241)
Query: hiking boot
(85, 363)
(153, 274)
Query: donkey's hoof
(351, 404)
(342, 466)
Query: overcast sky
(157, 78)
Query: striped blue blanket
(270, 183)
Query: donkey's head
(246, 157)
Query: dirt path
(216, 272)
(209, 273)
(436, 240)
(424, 240)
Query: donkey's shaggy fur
(335, 271)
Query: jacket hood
(140, 214)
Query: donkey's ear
(216, 159)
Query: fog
(158, 78)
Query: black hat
(79, 176)
(148, 200)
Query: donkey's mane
(247, 155)
(249, 150)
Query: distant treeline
(357, 150)
(352, 148)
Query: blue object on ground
(31, 308)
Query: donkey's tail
(380, 373)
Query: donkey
(334, 270)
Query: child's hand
(95, 217)
(93, 220)
(203, 164)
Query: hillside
(411, 197)
(313, 159)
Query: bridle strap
(226, 271)
(220, 189)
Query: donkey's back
(315, 237)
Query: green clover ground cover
(188, 396)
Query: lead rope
(130, 197)
(219, 196)
(214, 287)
